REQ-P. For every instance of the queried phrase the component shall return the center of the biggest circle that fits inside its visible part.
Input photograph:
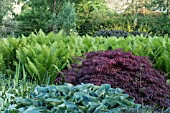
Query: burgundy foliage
(134, 74)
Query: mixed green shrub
(66, 19)
(44, 55)
(152, 24)
(86, 11)
(54, 15)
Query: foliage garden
(85, 58)
(43, 57)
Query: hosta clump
(132, 73)
(84, 98)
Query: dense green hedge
(43, 56)
(153, 24)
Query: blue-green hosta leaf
(77, 97)
(84, 97)
(27, 102)
(54, 101)
(40, 95)
(46, 96)
(9, 95)
(102, 109)
(106, 87)
(31, 109)
(6, 111)
(112, 101)
(117, 109)
(131, 99)
(91, 98)
(40, 89)
(124, 96)
(86, 100)
(70, 86)
(118, 91)
(70, 106)
(61, 108)
(100, 92)
(64, 89)
(125, 103)
(92, 107)
(1, 102)
(11, 107)
(52, 88)
(1, 92)
(85, 87)
(137, 106)
(83, 108)
(21, 109)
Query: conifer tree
(66, 19)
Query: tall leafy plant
(44, 56)
(8, 49)
(66, 19)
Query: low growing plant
(84, 98)
(13, 89)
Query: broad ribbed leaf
(54, 101)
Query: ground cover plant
(84, 98)
(12, 90)
(134, 74)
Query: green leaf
(111, 100)
(70, 106)
(54, 102)
(31, 109)
(27, 102)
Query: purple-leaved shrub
(134, 74)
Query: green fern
(2, 64)
(163, 62)
(40, 53)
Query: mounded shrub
(119, 33)
(134, 74)
(104, 33)
(108, 33)
(137, 33)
